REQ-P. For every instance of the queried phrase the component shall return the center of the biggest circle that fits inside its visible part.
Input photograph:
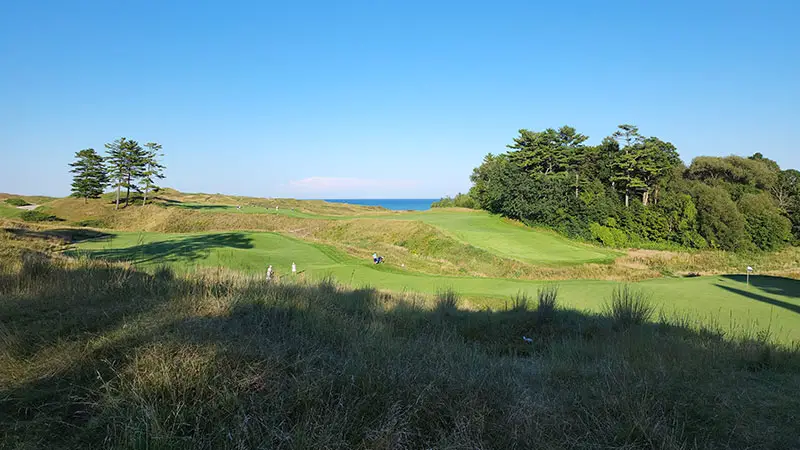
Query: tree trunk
(128, 191)
(118, 186)
(627, 198)
(144, 200)
(645, 197)
(576, 185)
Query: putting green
(768, 302)
(504, 238)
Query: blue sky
(382, 99)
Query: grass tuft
(447, 301)
(628, 306)
(547, 303)
(520, 302)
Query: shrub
(38, 216)
(628, 306)
(17, 202)
(547, 302)
(608, 236)
(459, 201)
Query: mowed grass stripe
(768, 303)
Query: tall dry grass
(98, 355)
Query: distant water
(396, 204)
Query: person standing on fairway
(269, 273)
(294, 269)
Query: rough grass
(99, 355)
(628, 306)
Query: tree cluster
(126, 165)
(631, 189)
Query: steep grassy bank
(100, 355)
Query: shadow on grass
(786, 287)
(181, 249)
(761, 298)
(128, 359)
(66, 235)
(198, 207)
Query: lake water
(396, 204)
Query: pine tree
(547, 152)
(90, 174)
(626, 163)
(135, 165)
(117, 164)
(152, 168)
(126, 162)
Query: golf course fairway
(766, 303)
(477, 228)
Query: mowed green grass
(477, 228)
(9, 212)
(767, 303)
(491, 233)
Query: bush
(608, 236)
(628, 307)
(16, 202)
(459, 201)
(38, 216)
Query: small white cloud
(335, 183)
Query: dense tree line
(126, 165)
(631, 189)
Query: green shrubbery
(16, 202)
(459, 201)
(38, 216)
(635, 190)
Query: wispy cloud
(335, 183)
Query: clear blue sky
(379, 99)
